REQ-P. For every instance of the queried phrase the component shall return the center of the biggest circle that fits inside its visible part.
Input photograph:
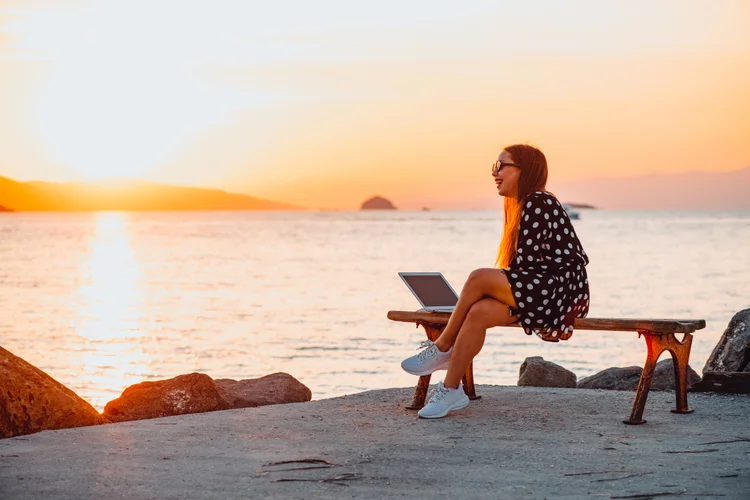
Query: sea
(104, 300)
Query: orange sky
(325, 106)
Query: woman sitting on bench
(539, 281)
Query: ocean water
(101, 301)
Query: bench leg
(656, 344)
(680, 356)
(420, 393)
(468, 382)
(654, 347)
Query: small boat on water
(572, 212)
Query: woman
(539, 280)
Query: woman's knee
(481, 312)
(477, 277)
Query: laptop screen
(432, 290)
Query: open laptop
(432, 290)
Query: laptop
(432, 290)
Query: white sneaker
(427, 361)
(444, 400)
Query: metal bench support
(656, 344)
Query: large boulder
(277, 388)
(198, 393)
(626, 379)
(32, 401)
(731, 382)
(537, 372)
(663, 379)
(732, 353)
(191, 393)
(615, 379)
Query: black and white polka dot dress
(548, 273)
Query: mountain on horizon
(725, 190)
(37, 196)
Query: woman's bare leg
(481, 283)
(483, 314)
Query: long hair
(533, 178)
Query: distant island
(4, 209)
(377, 203)
(126, 195)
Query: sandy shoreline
(516, 442)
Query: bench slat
(609, 324)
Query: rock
(730, 382)
(192, 393)
(732, 353)
(277, 388)
(626, 379)
(663, 379)
(32, 401)
(377, 203)
(615, 379)
(537, 372)
(198, 393)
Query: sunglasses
(498, 166)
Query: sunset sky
(323, 104)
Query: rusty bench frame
(658, 333)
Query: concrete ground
(516, 442)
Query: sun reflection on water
(109, 318)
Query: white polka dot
(564, 230)
(546, 216)
(536, 282)
(536, 247)
(544, 292)
(520, 304)
(527, 321)
(535, 225)
(526, 218)
(531, 314)
(528, 205)
(529, 299)
(530, 286)
(518, 294)
(548, 311)
(520, 250)
(513, 275)
(555, 211)
(525, 231)
(529, 241)
(538, 210)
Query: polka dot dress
(548, 273)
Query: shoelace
(440, 391)
(429, 349)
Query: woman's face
(506, 176)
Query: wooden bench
(658, 333)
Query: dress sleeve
(535, 228)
